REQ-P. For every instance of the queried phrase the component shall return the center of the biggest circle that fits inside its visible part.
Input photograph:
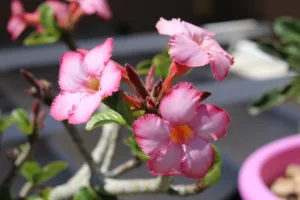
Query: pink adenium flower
(178, 140)
(99, 7)
(193, 46)
(20, 19)
(84, 81)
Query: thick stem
(69, 40)
(78, 141)
(26, 190)
(123, 168)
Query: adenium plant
(170, 127)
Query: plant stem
(69, 40)
(26, 190)
(73, 133)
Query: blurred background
(236, 22)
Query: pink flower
(178, 140)
(84, 81)
(19, 19)
(16, 23)
(99, 7)
(193, 46)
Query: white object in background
(254, 64)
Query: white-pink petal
(83, 111)
(170, 27)
(15, 26)
(179, 105)
(63, 103)
(220, 64)
(72, 75)
(210, 122)
(198, 158)
(60, 9)
(103, 10)
(184, 50)
(17, 8)
(166, 161)
(110, 79)
(96, 59)
(151, 132)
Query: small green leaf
(143, 67)
(34, 197)
(47, 17)
(20, 118)
(85, 194)
(45, 193)
(116, 102)
(4, 123)
(215, 172)
(104, 117)
(287, 29)
(162, 63)
(294, 62)
(45, 37)
(30, 169)
(135, 148)
(138, 113)
(272, 47)
(50, 171)
(276, 97)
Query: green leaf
(294, 62)
(276, 97)
(47, 17)
(272, 47)
(20, 118)
(287, 29)
(143, 67)
(104, 117)
(162, 63)
(138, 113)
(50, 171)
(116, 102)
(85, 194)
(5, 194)
(30, 169)
(34, 197)
(4, 123)
(45, 37)
(45, 193)
(135, 148)
(215, 172)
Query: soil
(287, 187)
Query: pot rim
(250, 182)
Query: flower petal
(179, 105)
(83, 111)
(198, 158)
(63, 103)
(15, 26)
(97, 58)
(60, 9)
(88, 6)
(17, 8)
(72, 76)
(196, 31)
(151, 132)
(166, 161)
(170, 27)
(220, 64)
(184, 50)
(210, 122)
(103, 10)
(110, 79)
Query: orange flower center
(93, 83)
(181, 134)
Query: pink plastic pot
(265, 165)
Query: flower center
(93, 83)
(181, 134)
